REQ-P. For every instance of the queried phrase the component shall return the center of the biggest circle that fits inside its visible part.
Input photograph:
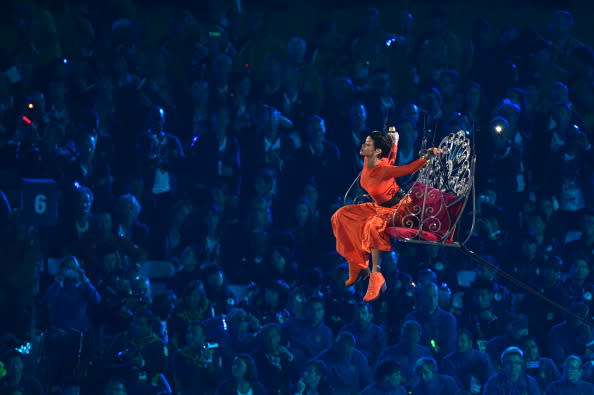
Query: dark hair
(386, 368)
(467, 332)
(527, 339)
(483, 284)
(251, 371)
(314, 299)
(319, 365)
(360, 305)
(513, 350)
(345, 337)
(115, 380)
(196, 324)
(426, 361)
(382, 142)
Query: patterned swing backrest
(433, 205)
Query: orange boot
(377, 284)
(356, 274)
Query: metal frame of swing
(451, 174)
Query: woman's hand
(394, 136)
(430, 153)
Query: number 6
(39, 204)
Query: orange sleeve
(393, 152)
(385, 172)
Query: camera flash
(498, 129)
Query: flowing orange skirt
(360, 227)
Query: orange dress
(360, 227)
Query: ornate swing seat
(431, 209)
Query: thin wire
(522, 284)
(344, 199)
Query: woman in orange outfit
(359, 228)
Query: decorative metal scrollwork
(451, 170)
(436, 199)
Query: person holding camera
(68, 299)
(197, 366)
(360, 228)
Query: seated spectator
(270, 303)
(481, 317)
(543, 369)
(542, 314)
(431, 382)
(501, 296)
(138, 354)
(469, 367)
(340, 300)
(407, 352)
(275, 362)
(14, 380)
(308, 335)
(69, 297)
(348, 369)
(585, 244)
(171, 236)
(313, 380)
(76, 224)
(243, 328)
(163, 306)
(192, 306)
(578, 286)
(281, 265)
(197, 366)
(243, 378)
(68, 300)
(115, 386)
(438, 326)
(215, 155)
(512, 379)
(304, 230)
(187, 270)
(570, 336)
(217, 290)
(371, 339)
(516, 329)
(127, 225)
(571, 383)
(318, 157)
(387, 380)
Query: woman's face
(215, 279)
(238, 368)
(301, 213)
(278, 260)
(311, 376)
(562, 116)
(273, 338)
(582, 269)
(530, 350)
(195, 336)
(188, 258)
(368, 148)
(271, 297)
(195, 298)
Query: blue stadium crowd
(198, 156)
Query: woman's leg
(378, 242)
(348, 226)
(376, 258)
